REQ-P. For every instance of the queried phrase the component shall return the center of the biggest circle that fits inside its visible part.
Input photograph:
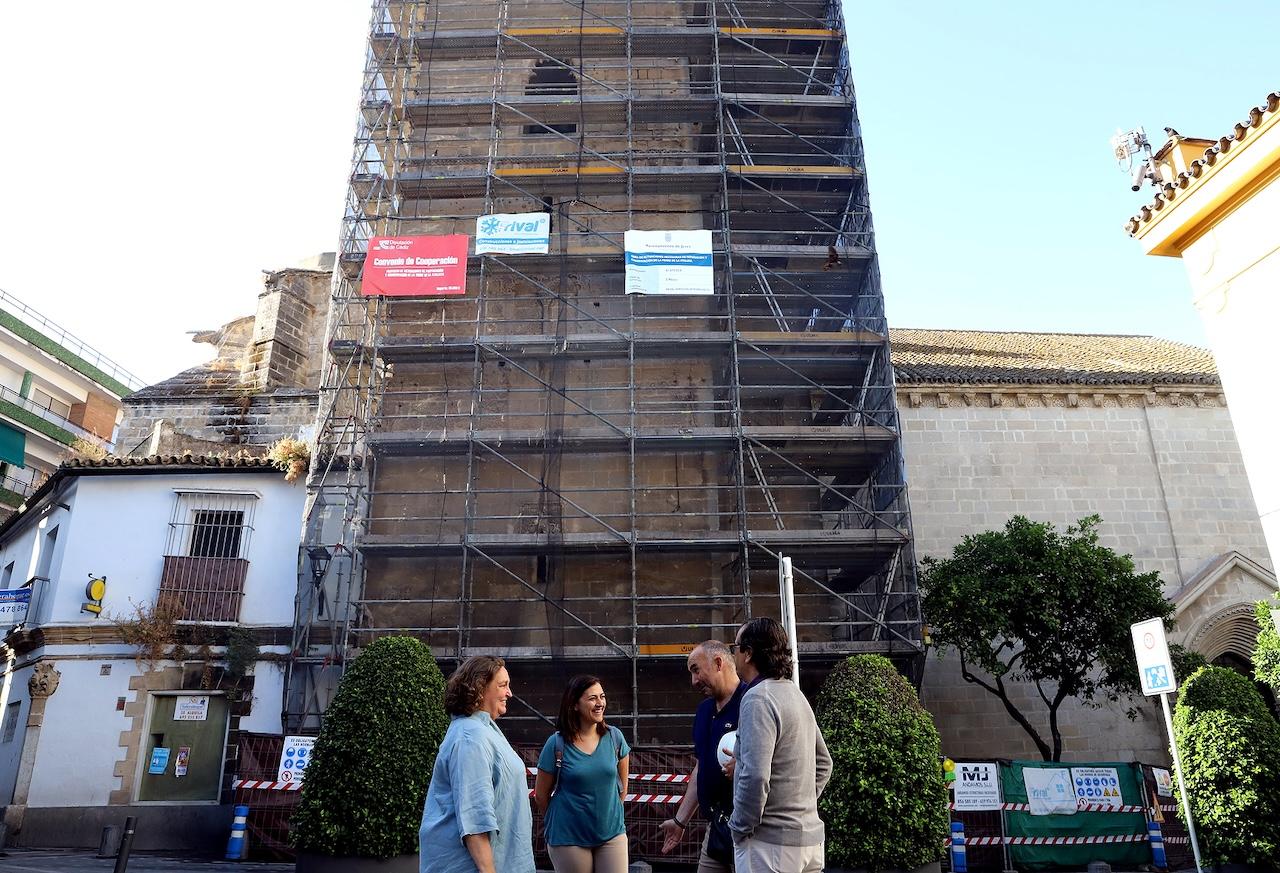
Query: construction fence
(1007, 838)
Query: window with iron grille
(206, 556)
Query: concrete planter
(328, 864)
(935, 867)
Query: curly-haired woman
(476, 818)
(582, 775)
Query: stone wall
(1162, 469)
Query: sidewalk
(59, 860)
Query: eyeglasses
(737, 647)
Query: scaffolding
(575, 478)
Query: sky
(156, 157)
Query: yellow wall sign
(94, 591)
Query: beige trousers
(610, 857)
(753, 856)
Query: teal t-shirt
(585, 809)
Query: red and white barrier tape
(665, 778)
(646, 798)
(266, 785)
(1083, 807)
(1052, 841)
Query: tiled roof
(202, 381)
(1169, 191)
(986, 357)
(112, 463)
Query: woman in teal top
(582, 777)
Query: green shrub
(1230, 746)
(1266, 657)
(372, 762)
(886, 803)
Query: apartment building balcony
(46, 421)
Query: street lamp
(320, 560)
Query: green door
(193, 744)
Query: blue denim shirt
(478, 786)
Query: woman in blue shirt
(582, 777)
(476, 818)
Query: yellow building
(1219, 210)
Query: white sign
(669, 262)
(977, 787)
(1049, 791)
(13, 606)
(1097, 785)
(294, 758)
(191, 708)
(521, 233)
(1155, 668)
(1164, 782)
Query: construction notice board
(415, 266)
(1094, 827)
(669, 262)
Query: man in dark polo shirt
(712, 671)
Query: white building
(83, 711)
(54, 391)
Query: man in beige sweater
(782, 763)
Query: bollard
(126, 843)
(236, 843)
(109, 845)
(1158, 858)
(959, 862)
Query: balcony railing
(53, 418)
(69, 342)
(203, 589)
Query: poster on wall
(159, 761)
(1098, 785)
(1164, 782)
(415, 266)
(513, 233)
(191, 708)
(182, 761)
(669, 262)
(1049, 791)
(977, 787)
(294, 758)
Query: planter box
(329, 864)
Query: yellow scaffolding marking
(666, 649)
(562, 31)
(780, 169)
(779, 31)
(558, 171)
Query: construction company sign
(669, 262)
(977, 787)
(521, 233)
(415, 266)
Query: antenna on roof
(1128, 145)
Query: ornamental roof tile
(986, 357)
(1169, 191)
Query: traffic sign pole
(1182, 785)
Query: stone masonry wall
(1164, 472)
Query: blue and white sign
(1097, 785)
(523, 233)
(13, 606)
(159, 761)
(669, 262)
(294, 758)
(1049, 791)
(1155, 668)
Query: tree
(1053, 609)
(1230, 745)
(886, 803)
(1266, 656)
(372, 762)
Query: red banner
(415, 266)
